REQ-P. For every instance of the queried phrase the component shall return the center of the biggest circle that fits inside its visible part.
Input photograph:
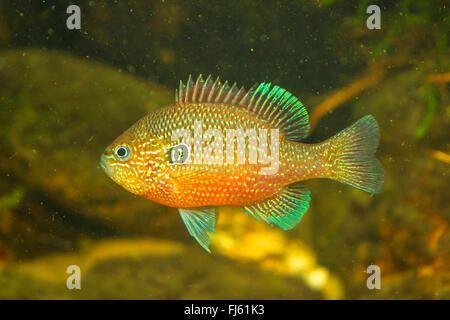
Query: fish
(222, 145)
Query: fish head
(132, 159)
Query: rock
(146, 269)
(57, 114)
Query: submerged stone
(57, 114)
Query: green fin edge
(276, 105)
(199, 222)
(285, 209)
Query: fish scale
(231, 181)
(144, 165)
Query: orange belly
(235, 185)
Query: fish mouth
(105, 166)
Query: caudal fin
(354, 162)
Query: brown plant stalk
(373, 76)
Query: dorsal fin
(277, 106)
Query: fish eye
(122, 153)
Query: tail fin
(354, 163)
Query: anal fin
(199, 223)
(284, 209)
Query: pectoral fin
(199, 223)
(285, 209)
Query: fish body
(240, 148)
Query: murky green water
(66, 94)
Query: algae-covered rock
(146, 269)
(57, 114)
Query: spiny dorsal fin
(277, 106)
(284, 209)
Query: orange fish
(219, 145)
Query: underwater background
(66, 94)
